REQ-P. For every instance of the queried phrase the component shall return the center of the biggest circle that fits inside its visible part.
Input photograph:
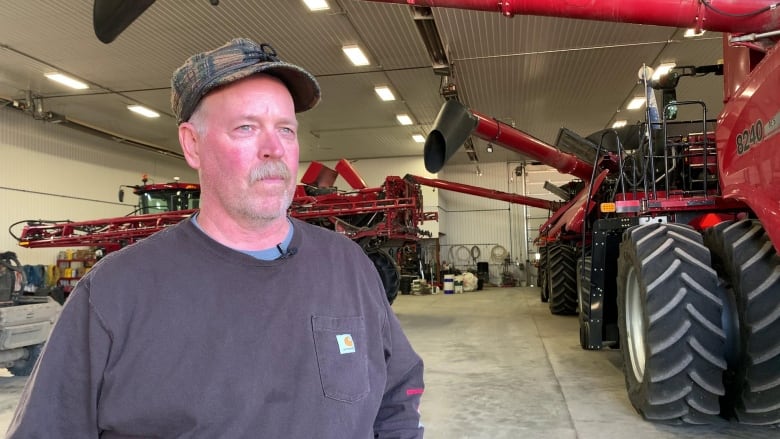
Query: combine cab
(670, 251)
(159, 205)
(166, 197)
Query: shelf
(91, 260)
(70, 267)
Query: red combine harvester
(677, 231)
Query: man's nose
(271, 146)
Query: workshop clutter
(491, 264)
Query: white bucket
(458, 284)
(449, 283)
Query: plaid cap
(237, 59)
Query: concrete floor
(500, 366)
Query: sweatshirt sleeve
(399, 414)
(60, 397)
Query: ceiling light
(478, 171)
(355, 55)
(419, 138)
(691, 33)
(143, 111)
(316, 5)
(67, 80)
(619, 123)
(404, 119)
(384, 93)
(636, 103)
(663, 69)
(489, 148)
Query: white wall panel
(535, 177)
(51, 172)
(518, 217)
(471, 220)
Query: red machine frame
(683, 278)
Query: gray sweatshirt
(177, 336)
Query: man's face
(243, 140)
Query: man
(241, 322)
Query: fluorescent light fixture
(691, 33)
(419, 138)
(404, 119)
(619, 123)
(316, 5)
(636, 103)
(663, 69)
(384, 93)
(489, 148)
(143, 111)
(66, 80)
(355, 55)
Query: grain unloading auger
(483, 192)
(455, 123)
(679, 265)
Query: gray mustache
(275, 169)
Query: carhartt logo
(346, 345)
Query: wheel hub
(635, 326)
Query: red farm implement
(669, 252)
(384, 220)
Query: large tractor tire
(562, 278)
(743, 254)
(544, 286)
(584, 266)
(669, 315)
(388, 272)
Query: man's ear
(188, 139)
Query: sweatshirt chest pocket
(342, 357)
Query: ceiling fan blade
(111, 17)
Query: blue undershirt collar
(268, 254)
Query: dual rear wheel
(750, 268)
(699, 344)
(669, 315)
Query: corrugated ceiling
(536, 73)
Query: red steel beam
(735, 16)
(505, 135)
(482, 192)
(455, 122)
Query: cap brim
(303, 87)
